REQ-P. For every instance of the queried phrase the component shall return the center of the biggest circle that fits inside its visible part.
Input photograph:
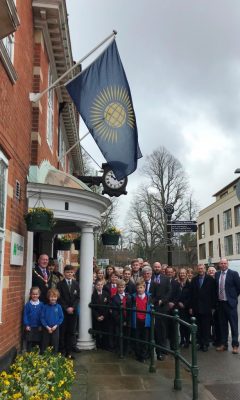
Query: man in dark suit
(41, 277)
(172, 304)
(160, 293)
(202, 304)
(228, 290)
(69, 300)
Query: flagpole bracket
(115, 32)
(34, 97)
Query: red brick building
(33, 140)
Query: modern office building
(219, 227)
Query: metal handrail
(193, 366)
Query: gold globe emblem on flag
(111, 111)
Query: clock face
(112, 182)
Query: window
(219, 248)
(202, 251)
(211, 226)
(3, 199)
(224, 194)
(237, 242)
(218, 223)
(228, 245)
(9, 45)
(237, 215)
(210, 249)
(201, 231)
(50, 111)
(227, 219)
(62, 149)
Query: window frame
(50, 112)
(226, 245)
(3, 229)
(227, 222)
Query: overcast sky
(182, 61)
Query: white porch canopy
(76, 208)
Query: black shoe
(76, 350)
(204, 348)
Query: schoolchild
(69, 300)
(111, 287)
(130, 285)
(141, 322)
(121, 298)
(100, 314)
(31, 319)
(51, 318)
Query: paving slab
(103, 376)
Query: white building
(219, 227)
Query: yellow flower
(67, 395)
(61, 383)
(6, 382)
(50, 374)
(17, 396)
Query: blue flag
(102, 96)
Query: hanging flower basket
(111, 236)
(110, 240)
(64, 244)
(77, 243)
(39, 219)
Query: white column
(85, 341)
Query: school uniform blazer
(232, 286)
(102, 299)
(69, 298)
(130, 288)
(134, 313)
(203, 299)
(116, 301)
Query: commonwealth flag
(102, 96)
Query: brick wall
(15, 135)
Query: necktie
(45, 275)
(200, 281)
(221, 286)
(69, 284)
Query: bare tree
(167, 184)
(144, 226)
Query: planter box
(110, 240)
(77, 244)
(63, 246)
(37, 222)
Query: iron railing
(175, 352)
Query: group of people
(210, 296)
(51, 314)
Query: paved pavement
(103, 376)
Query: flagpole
(74, 145)
(34, 97)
